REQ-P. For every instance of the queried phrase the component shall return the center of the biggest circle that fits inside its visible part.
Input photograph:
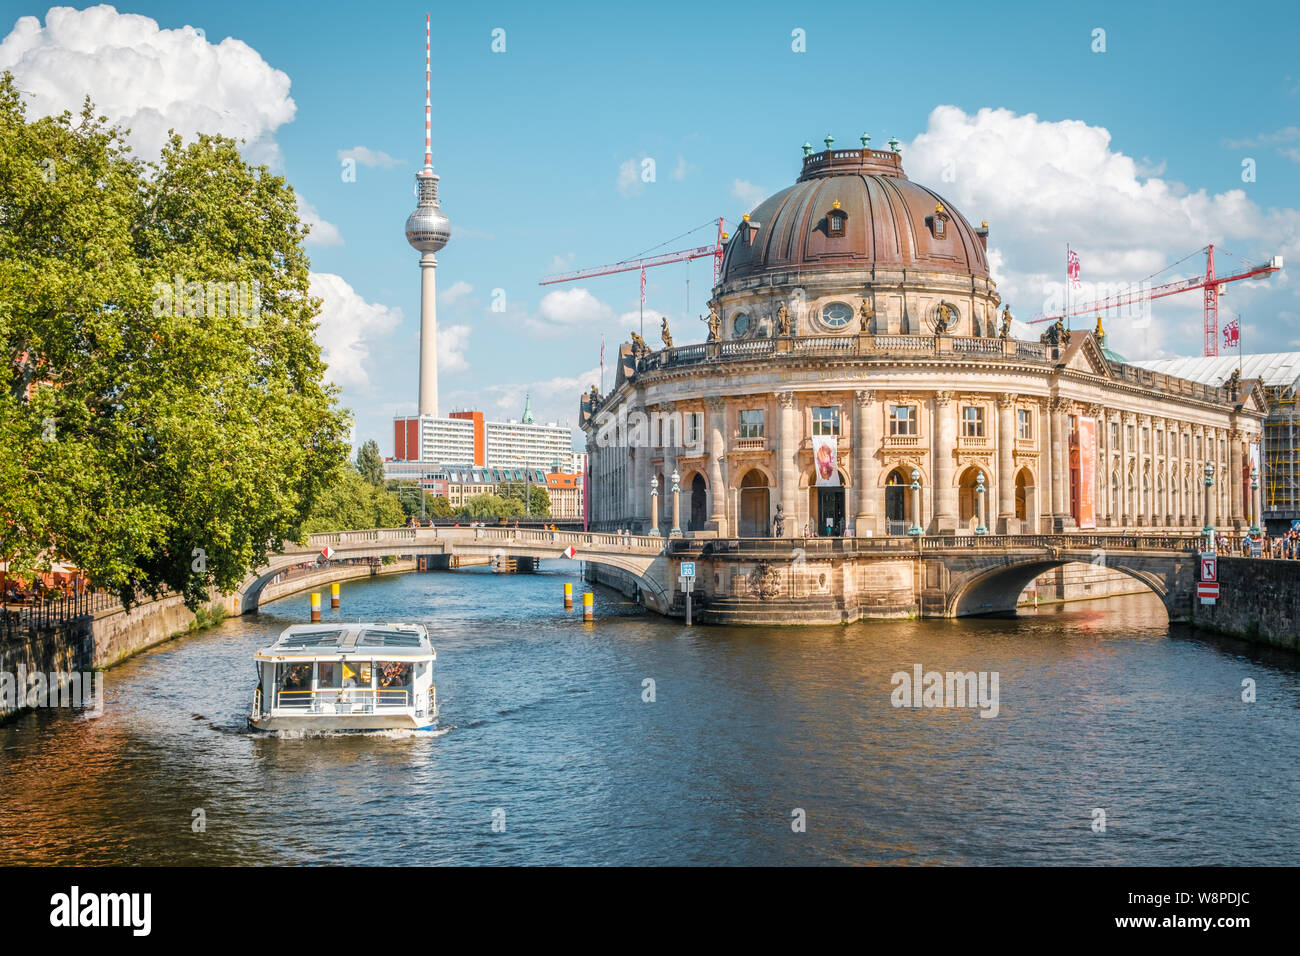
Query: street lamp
(654, 506)
(676, 531)
(979, 491)
(1208, 530)
(916, 504)
(1254, 498)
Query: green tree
(540, 498)
(165, 418)
(491, 506)
(434, 506)
(354, 504)
(370, 464)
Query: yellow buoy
(334, 595)
(568, 595)
(588, 606)
(315, 606)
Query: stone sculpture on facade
(665, 334)
(866, 312)
(782, 320)
(715, 324)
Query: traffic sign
(686, 584)
(569, 552)
(688, 569)
(327, 552)
(1208, 591)
(1209, 567)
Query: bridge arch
(995, 590)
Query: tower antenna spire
(428, 103)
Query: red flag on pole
(1232, 334)
(1072, 268)
(643, 285)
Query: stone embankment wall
(1259, 600)
(111, 636)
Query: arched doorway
(898, 503)
(1024, 486)
(826, 508)
(754, 505)
(968, 497)
(699, 504)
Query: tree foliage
(155, 434)
(538, 495)
(351, 503)
(491, 506)
(370, 464)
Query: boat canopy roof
(332, 640)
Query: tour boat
(329, 677)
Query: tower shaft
(428, 335)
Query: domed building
(860, 381)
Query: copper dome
(886, 220)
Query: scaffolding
(1281, 456)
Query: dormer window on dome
(748, 230)
(835, 221)
(938, 222)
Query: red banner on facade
(1086, 515)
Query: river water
(544, 729)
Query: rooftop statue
(782, 320)
(1057, 334)
(866, 312)
(639, 349)
(664, 333)
(715, 324)
(942, 323)
(1006, 323)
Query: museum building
(859, 380)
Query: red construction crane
(1211, 283)
(664, 259)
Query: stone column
(1006, 464)
(1103, 468)
(1060, 466)
(866, 467)
(1046, 475)
(639, 499)
(717, 451)
(1128, 511)
(943, 441)
(1235, 464)
(787, 470)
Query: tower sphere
(427, 228)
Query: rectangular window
(694, 425)
(902, 419)
(1146, 440)
(751, 423)
(972, 422)
(1024, 424)
(826, 420)
(1130, 438)
(1114, 433)
(1187, 446)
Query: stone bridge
(790, 580)
(642, 558)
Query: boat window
(356, 674)
(295, 677)
(328, 675)
(394, 674)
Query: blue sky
(1133, 155)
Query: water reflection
(1101, 705)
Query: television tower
(428, 230)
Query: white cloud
(1042, 184)
(454, 292)
(149, 79)
(453, 340)
(575, 306)
(323, 232)
(629, 177)
(369, 157)
(679, 171)
(347, 323)
(748, 193)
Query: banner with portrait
(825, 461)
(1087, 501)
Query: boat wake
(390, 733)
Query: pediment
(1084, 355)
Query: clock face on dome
(837, 314)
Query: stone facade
(887, 353)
